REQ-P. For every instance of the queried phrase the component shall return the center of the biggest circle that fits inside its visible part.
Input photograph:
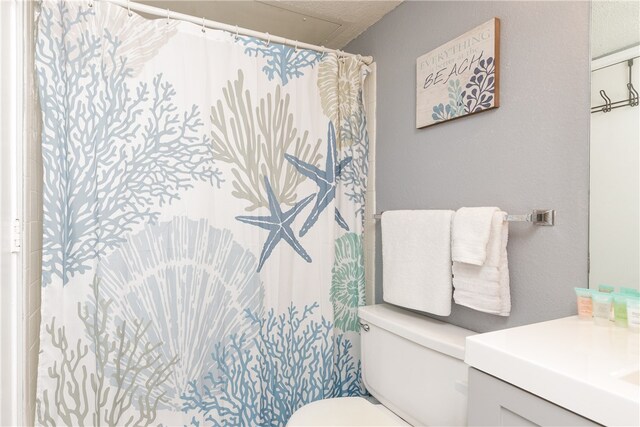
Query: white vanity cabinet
(561, 372)
(493, 402)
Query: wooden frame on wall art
(460, 77)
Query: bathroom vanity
(561, 372)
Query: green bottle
(620, 309)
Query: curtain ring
(168, 16)
(203, 30)
(236, 37)
(268, 39)
(129, 8)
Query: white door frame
(12, 19)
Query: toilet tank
(414, 365)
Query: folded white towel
(470, 234)
(416, 260)
(486, 287)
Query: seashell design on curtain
(203, 216)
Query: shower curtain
(203, 216)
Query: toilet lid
(344, 411)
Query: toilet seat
(344, 411)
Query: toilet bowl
(412, 364)
(344, 411)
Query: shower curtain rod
(233, 29)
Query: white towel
(486, 287)
(471, 228)
(416, 260)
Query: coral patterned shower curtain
(203, 210)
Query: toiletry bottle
(620, 309)
(630, 291)
(601, 308)
(585, 305)
(608, 289)
(633, 313)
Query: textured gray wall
(532, 152)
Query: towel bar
(537, 217)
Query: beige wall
(32, 228)
(10, 356)
(370, 197)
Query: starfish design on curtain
(325, 179)
(279, 225)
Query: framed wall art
(460, 77)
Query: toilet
(412, 364)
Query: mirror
(614, 214)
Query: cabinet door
(493, 402)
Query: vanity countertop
(588, 369)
